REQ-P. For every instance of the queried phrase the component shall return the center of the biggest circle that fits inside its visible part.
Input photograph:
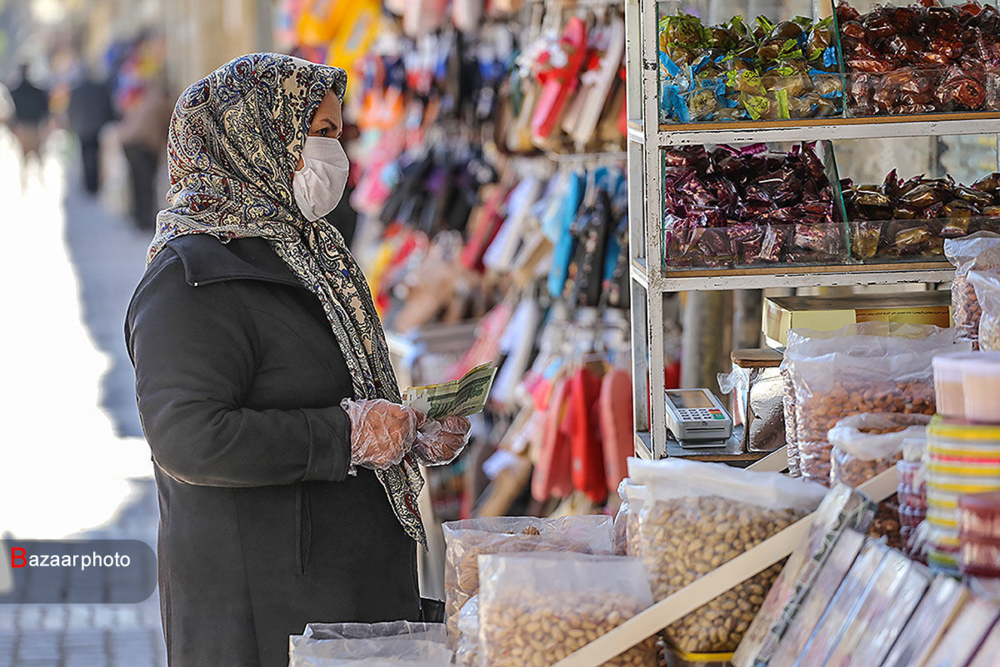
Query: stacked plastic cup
(963, 447)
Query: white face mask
(319, 184)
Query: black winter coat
(239, 381)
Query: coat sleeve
(193, 352)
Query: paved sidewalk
(72, 460)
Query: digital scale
(696, 418)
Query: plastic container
(981, 387)
(979, 516)
(948, 384)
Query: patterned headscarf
(235, 140)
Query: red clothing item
(585, 436)
(616, 425)
(551, 476)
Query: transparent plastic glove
(441, 441)
(382, 432)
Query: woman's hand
(440, 442)
(382, 432)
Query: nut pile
(853, 472)
(686, 538)
(819, 412)
(527, 629)
(886, 523)
(989, 333)
(461, 577)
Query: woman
(285, 466)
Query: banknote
(462, 397)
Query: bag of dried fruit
(867, 367)
(976, 251)
(698, 516)
(466, 540)
(536, 609)
(987, 287)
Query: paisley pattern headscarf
(235, 140)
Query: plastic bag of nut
(868, 367)
(466, 540)
(536, 609)
(987, 287)
(698, 516)
(867, 444)
(975, 251)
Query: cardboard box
(829, 313)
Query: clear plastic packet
(867, 444)
(467, 651)
(987, 286)
(788, 409)
(964, 635)
(465, 540)
(536, 609)
(842, 511)
(975, 251)
(868, 367)
(843, 607)
(696, 517)
(370, 645)
(882, 631)
(988, 654)
(758, 395)
(817, 598)
(925, 627)
(636, 495)
(620, 542)
(890, 598)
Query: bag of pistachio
(698, 516)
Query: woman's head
(237, 138)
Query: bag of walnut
(980, 251)
(867, 367)
(466, 540)
(696, 517)
(536, 609)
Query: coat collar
(208, 260)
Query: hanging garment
(562, 254)
(591, 235)
(552, 475)
(559, 79)
(585, 435)
(615, 410)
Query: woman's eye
(323, 132)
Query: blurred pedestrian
(143, 134)
(89, 111)
(31, 110)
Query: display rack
(650, 282)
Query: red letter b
(17, 553)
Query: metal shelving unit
(649, 282)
